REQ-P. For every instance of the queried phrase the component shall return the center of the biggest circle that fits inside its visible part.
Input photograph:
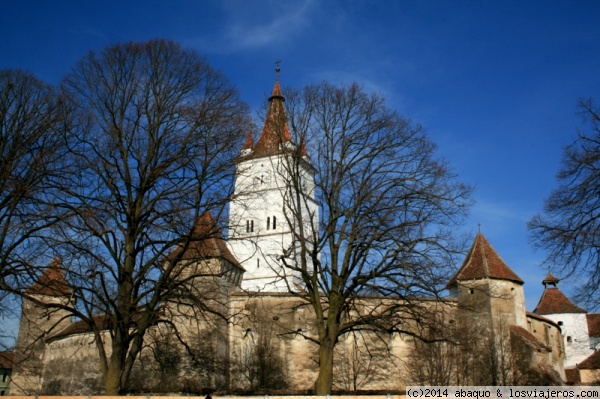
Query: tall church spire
(276, 132)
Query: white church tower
(261, 213)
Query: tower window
(249, 226)
(271, 226)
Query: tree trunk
(112, 379)
(324, 381)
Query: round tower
(572, 319)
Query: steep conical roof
(553, 301)
(209, 244)
(275, 130)
(483, 261)
(52, 282)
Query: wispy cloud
(252, 25)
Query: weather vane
(277, 69)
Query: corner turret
(485, 284)
(42, 315)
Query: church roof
(52, 282)
(209, 243)
(590, 363)
(275, 135)
(483, 261)
(275, 130)
(553, 301)
(593, 322)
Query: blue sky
(494, 83)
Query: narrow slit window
(274, 223)
(268, 222)
(252, 226)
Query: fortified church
(264, 347)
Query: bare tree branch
(569, 227)
(151, 148)
(378, 233)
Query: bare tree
(569, 227)
(358, 360)
(155, 131)
(261, 360)
(382, 235)
(31, 153)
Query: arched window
(268, 222)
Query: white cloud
(252, 25)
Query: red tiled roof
(52, 282)
(483, 261)
(7, 359)
(592, 362)
(79, 327)
(554, 301)
(572, 376)
(593, 322)
(275, 130)
(529, 338)
(209, 244)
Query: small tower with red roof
(41, 316)
(267, 173)
(487, 288)
(572, 319)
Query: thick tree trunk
(112, 379)
(324, 381)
